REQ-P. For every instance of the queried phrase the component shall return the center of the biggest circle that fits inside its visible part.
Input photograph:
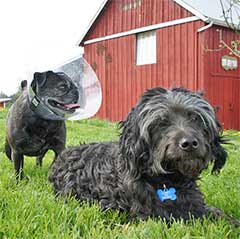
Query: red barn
(134, 45)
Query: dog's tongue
(72, 106)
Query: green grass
(30, 210)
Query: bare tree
(231, 15)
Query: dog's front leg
(18, 164)
(39, 159)
(217, 213)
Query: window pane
(146, 48)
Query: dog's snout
(188, 143)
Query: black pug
(29, 134)
(167, 140)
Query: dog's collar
(188, 183)
(38, 107)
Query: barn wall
(184, 58)
(1, 105)
(123, 81)
(119, 16)
(222, 87)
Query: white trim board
(143, 29)
(92, 21)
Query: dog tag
(164, 194)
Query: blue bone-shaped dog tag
(165, 194)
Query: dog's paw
(217, 213)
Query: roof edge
(142, 29)
(192, 10)
(92, 22)
(4, 99)
(234, 27)
(204, 18)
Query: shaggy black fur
(166, 141)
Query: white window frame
(146, 48)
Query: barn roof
(4, 99)
(209, 12)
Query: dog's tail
(8, 150)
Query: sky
(37, 35)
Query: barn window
(146, 45)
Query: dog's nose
(188, 144)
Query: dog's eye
(164, 121)
(193, 117)
(197, 118)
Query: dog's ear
(40, 78)
(134, 147)
(219, 155)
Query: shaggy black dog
(167, 140)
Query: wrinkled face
(57, 91)
(180, 129)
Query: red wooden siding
(115, 19)
(1, 105)
(123, 81)
(222, 87)
(182, 59)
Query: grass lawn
(30, 210)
